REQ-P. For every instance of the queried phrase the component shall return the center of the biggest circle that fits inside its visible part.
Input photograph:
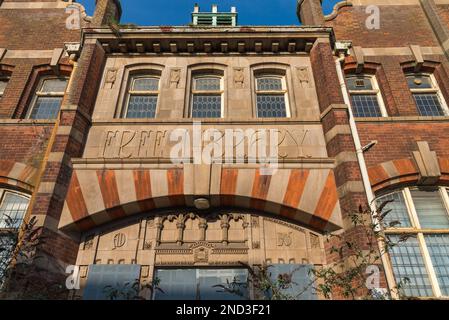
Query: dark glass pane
(407, 262)
(271, 106)
(398, 211)
(365, 105)
(206, 106)
(146, 84)
(419, 82)
(359, 83)
(46, 108)
(142, 107)
(438, 246)
(269, 84)
(428, 104)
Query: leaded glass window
(48, 98)
(365, 96)
(207, 97)
(428, 99)
(142, 98)
(271, 97)
(423, 258)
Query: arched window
(142, 98)
(271, 97)
(428, 98)
(421, 217)
(207, 97)
(366, 99)
(47, 98)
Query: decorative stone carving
(175, 77)
(239, 78)
(256, 245)
(88, 243)
(119, 240)
(303, 76)
(111, 76)
(314, 241)
(147, 245)
(284, 239)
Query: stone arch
(96, 197)
(18, 175)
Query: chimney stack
(310, 12)
(106, 12)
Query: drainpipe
(364, 171)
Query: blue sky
(177, 12)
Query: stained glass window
(271, 97)
(364, 96)
(142, 98)
(207, 98)
(48, 98)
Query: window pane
(207, 84)
(269, 84)
(46, 108)
(365, 105)
(208, 278)
(430, 209)
(146, 84)
(54, 85)
(3, 84)
(438, 246)
(398, 210)
(206, 106)
(271, 106)
(419, 82)
(359, 83)
(407, 262)
(142, 107)
(428, 104)
(198, 284)
(14, 207)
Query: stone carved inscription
(138, 144)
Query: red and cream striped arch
(98, 196)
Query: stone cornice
(207, 40)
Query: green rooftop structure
(214, 18)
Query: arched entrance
(189, 252)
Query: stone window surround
(376, 89)
(131, 71)
(273, 69)
(415, 229)
(206, 69)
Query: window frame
(130, 92)
(220, 92)
(375, 91)
(283, 91)
(37, 93)
(3, 192)
(434, 90)
(4, 79)
(420, 233)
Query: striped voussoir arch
(17, 174)
(95, 197)
(401, 171)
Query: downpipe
(364, 172)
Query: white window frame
(3, 192)
(416, 229)
(375, 91)
(207, 92)
(435, 90)
(131, 92)
(284, 91)
(38, 93)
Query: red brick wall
(399, 26)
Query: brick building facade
(90, 117)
